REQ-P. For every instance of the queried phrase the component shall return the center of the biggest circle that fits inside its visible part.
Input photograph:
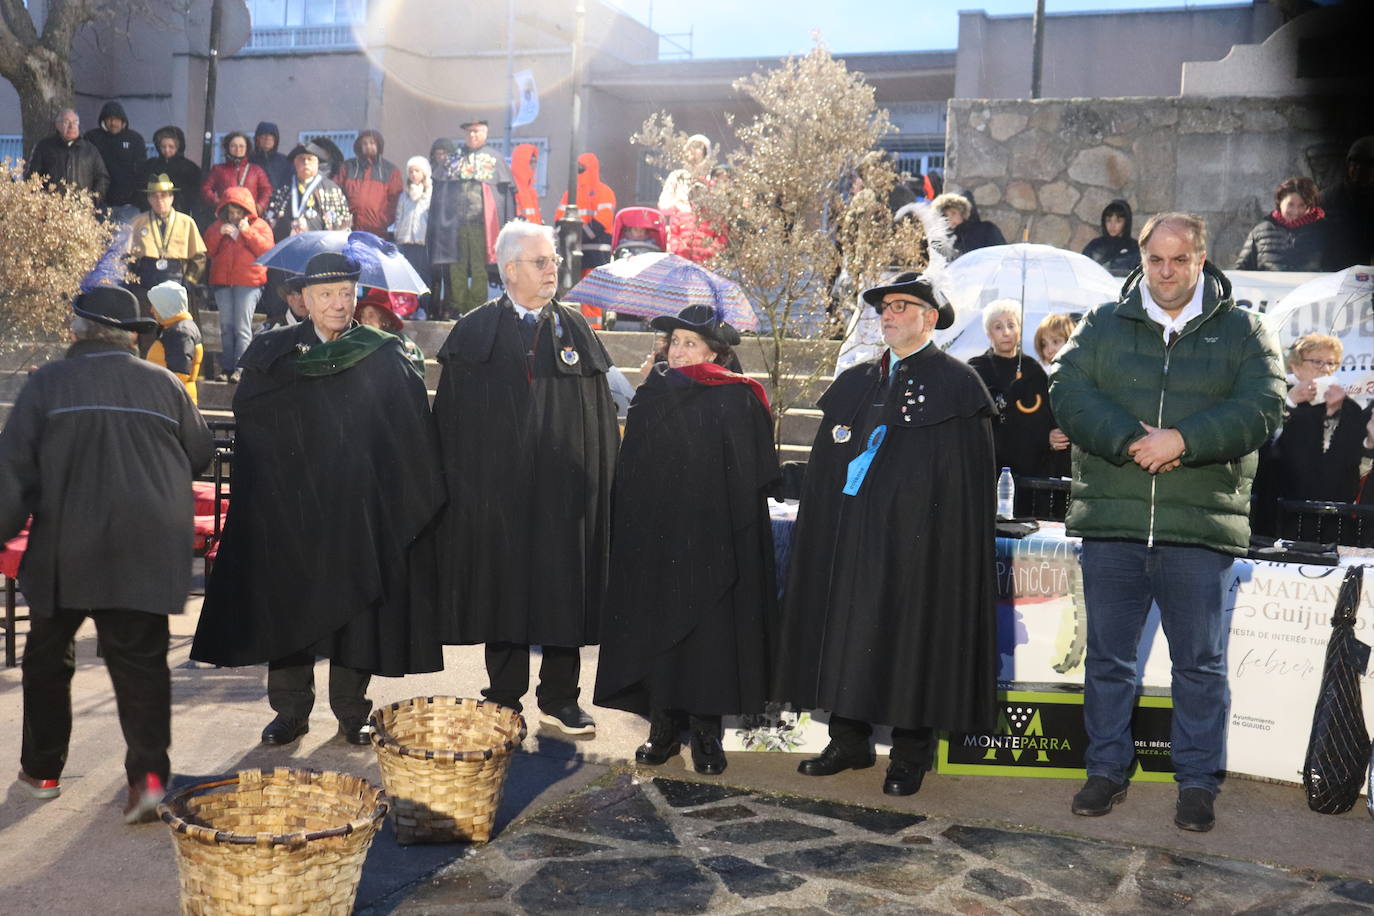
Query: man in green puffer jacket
(1166, 395)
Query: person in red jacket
(371, 184)
(234, 241)
(236, 172)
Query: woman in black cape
(691, 597)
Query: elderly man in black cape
(99, 449)
(327, 548)
(889, 612)
(527, 429)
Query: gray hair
(86, 329)
(997, 308)
(512, 239)
(60, 115)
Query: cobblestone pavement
(633, 844)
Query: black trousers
(911, 745)
(508, 672)
(134, 646)
(291, 689)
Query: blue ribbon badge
(858, 468)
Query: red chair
(10, 556)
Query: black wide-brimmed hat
(913, 284)
(326, 267)
(474, 123)
(113, 306)
(312, 149)
(700, 318)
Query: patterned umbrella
(653, 284)
(384, 267)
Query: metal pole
(1037, 47)
(207, 146)
(570, 227)
(510, 95)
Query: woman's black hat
(700, 318)
(326, 267)
(913, 284)
(113, 306)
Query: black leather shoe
(835, 759)
(1194, 810)
(903, 778)
(663, 740)
(1098, 796)
(359, 733)
(708, 757)
(284, 730)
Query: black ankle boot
(663, 740)
(708, 757)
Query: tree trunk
(45, 87)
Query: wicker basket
(444, 764)
(279, 842)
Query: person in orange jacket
(524, 164)
(178, 348)
(596, 207)
(234, 241)
(595, 199)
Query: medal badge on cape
(569, 356)
(840, 433)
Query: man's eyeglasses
(1323, 363)
(898, 306)
(542, 263)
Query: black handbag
(1338, 750)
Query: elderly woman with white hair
(1025, 434)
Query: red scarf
(1311, 216)
(715, 374)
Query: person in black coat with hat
(327, 549)
(691, 596)
(310, 201)
(100, 449)
(889, 612)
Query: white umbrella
(1044, 279)
(1338, 304)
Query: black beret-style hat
(701, 319)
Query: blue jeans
(1120, 581)
(236, 307)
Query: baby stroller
(637, 230)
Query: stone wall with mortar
(1047, 167)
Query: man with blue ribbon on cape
(890, 608)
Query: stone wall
(1049, 166)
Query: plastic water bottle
(1006, 494)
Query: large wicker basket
(280, 842)
(444, 763)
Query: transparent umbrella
(1044, 279)
(1340, 304)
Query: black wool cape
(328, 546)
(889, 612)
(692, 597)
(529, 450)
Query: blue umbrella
(384, 267)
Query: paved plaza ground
(582, 830)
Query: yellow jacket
(183, 243)
(179, 350)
